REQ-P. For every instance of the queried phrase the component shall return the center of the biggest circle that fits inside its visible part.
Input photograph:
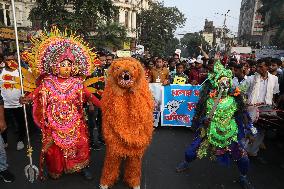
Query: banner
(8, 33)
(156, 89)
(178, 104)
(121, 54)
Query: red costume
(65, 145)
(58, 101)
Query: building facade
(250, 28)
(23, 8)
(128, 10)
(273, 13)
(208, 32)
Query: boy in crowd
(240, 76)
(172, 67)
(179, 77)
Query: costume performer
(222, 127)
(127, 107)
(59, 64)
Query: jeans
(3, 157)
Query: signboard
(140, 49)
(179, 102)
(174, 104)
(157, 90)
(126, 45)
(241, 50)
(7, 33)
(273, 53)
(121, 54)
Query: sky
(196, 11)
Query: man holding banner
(222, 126)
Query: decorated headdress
(219, 72)
(54, 47)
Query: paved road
(160, 160)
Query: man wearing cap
(197, 75)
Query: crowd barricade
(174, 104)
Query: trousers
(242, 160)
(3, 157)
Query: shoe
(244, 182)
(7, 176)
(20, 145)
(136, 187)
(96, 146)
(183, 166)
(87, 174)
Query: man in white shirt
(261, 90)
(263, 86)
(13, 110)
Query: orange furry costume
(127, 107)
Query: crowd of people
(261, 81)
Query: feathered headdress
(51, 48)
(219, 72)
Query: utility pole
(224, 29)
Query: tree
(191, 41)
(171, 46)
(157, 26)
(50, 12)
(83, 17)
(110, 35)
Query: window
(1, 16)
(8, 18)
(126, 19)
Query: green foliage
(49, 12)
(171, 46)
(110, 35)
(156, 27)
(82, 17)
(191, 41)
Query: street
(159, 164)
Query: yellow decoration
(92, 89)
(179, 80)
(91, 81)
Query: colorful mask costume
(58, 101)
(229, 124)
